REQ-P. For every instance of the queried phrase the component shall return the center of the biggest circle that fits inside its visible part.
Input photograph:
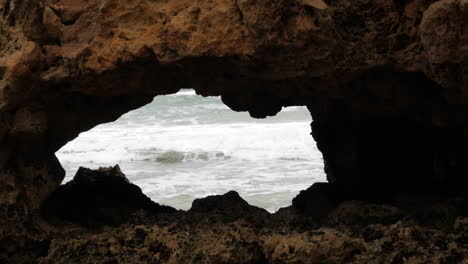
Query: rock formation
(97, 198)
(385, 82)
(226, 229)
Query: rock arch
(377, 66)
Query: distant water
(182, 147)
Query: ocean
(183, 146)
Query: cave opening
(386, 83)
(183, 146)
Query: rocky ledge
(226, 229)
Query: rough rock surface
(385, 82)
(226, 229)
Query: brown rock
(385, 81)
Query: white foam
(243, 141)
(185, 92)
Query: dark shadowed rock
(359, 214)
(99, 197)
(318, 200)
(229, 205)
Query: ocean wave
(294, 159)
(194, 131)
(173, 156)
(249, 141)
(292, 109)
(164, 145)
(185, 92)
(74, 151)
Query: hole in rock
(183, 146)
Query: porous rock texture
(226, 229)
(385, 82)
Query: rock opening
(384, 80)
(182, 147)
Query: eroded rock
(70, 65)
(385, 81)
(225, 229)
(95, 198)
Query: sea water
(183, 146)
